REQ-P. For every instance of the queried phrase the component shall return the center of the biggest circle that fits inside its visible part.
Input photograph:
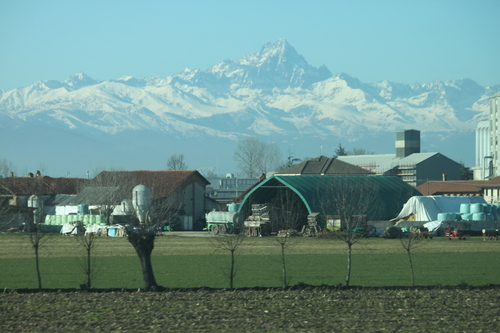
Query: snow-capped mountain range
(273, 94)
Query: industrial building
(408, 163)
(487, 143)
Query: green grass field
(190, 262)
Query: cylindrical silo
(141, 201)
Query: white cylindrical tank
(141, 201)
(35, 201)
(127, 206)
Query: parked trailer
(222, 222)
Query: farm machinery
(257, 224)
(222, 222)
(457, 233)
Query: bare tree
(88, 242)
(176, 162)
(10, 216)
(286, 215)
(255, 157)
(35, 235)
(210, 172)
(358, 151)
(6, 168)
(230, 243)
(248, 154)
(272, 158)
(107, 191)
(290, 161)
(353, 199)
(410, 241)
(165, 206)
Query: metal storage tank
(35, 202)
(141, 201)
(127, 206)
(83, 209)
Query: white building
(494, 135)
(481, 170)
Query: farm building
(172, 191)
(311, 193)
(408, 163)
(488, 189)
(110, 193)
(22, 197)
(323, 165)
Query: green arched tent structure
(393, 192)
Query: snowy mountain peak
(274, 54)
(80, 80)
(276, 65)
(273, 93)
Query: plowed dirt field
(310, 309)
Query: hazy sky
(401, 41)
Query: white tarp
(95, 229)
(427, 208)
(72, 228)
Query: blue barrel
(83, 209)
(486, 208)
(467, 217)
(112, 232)
(441, 217)
(464, 208)
(481, 216)
(476, 208)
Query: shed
(309, 188)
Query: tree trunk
(37, 264)
(411, 269)
(285, 282)
(231, 272)
(349, 252)
(144, 245)
(89, 280)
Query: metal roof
(385, 162)
(393, 191)
(323, 165)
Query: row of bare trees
(351, 201)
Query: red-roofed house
(489, 189)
